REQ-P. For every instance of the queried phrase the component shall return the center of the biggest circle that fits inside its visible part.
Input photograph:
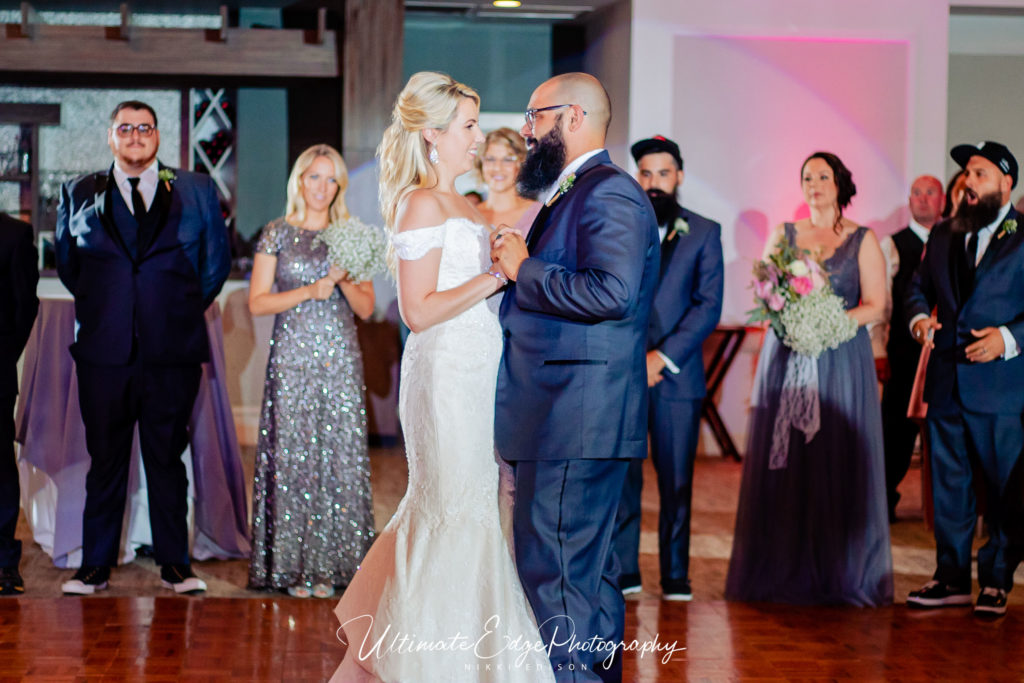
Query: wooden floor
(137, 631)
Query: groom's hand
(508, 250)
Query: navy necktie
(972, 251)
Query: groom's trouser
(965, 444)
(564, 521)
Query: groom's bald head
(586, 91)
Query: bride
(437, 597)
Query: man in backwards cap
(973, 271)
(686, 308)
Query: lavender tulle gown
(817, 531)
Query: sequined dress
(312, 514)
(439, 588)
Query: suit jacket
(996, 299)
(18, 303)
(572, 380)
(902, 350)
(687, 303)
(150, 300)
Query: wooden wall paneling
(105, 50)
(371, 66)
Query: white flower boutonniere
(1009, 227)
(167, 176)
(679, 227)
(563, 187)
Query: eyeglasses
(125, 130)
(531, 114)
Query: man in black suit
(687, 306)
(144, 251)
(973, 272)
(18, 308)
(903, 252)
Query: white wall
(749, 88)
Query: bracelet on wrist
(499, 275)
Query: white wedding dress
(437, 597)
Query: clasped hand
(322, 288)
(508, 251)
(988, 347)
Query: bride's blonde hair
(428, 100)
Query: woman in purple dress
(815, 530)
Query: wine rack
(211, 142)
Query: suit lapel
(997, 245)
(541, 222)
(104, 203)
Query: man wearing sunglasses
(571, 408)
(144, 251)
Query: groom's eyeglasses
(531, 114)
(125, 130)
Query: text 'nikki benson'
(491, 644)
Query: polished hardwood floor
(137, 631)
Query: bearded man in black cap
(687, 306)
(973, 271)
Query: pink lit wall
(749, 88)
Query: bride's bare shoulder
(420, 208)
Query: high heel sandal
(322, 590)
(299, 590)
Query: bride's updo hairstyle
(429, 100)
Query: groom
(571, 407)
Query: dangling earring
(434, 158)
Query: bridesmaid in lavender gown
(816, 531)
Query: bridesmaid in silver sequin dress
(312, 518)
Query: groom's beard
(973, 217)
(544, 162)
(664, 205)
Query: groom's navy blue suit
(141, 288)
(974, 409)
(572, 402)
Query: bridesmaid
(504, 151)
(312, 518)
(812, 526)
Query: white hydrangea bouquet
(355, 247)
(793, 294)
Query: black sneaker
(991, 603)
(180, 579)
(10, 581)
(935, 594)
(676, 590)
(87, 581)
(629, 584)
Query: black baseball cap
(993, 151)
(658, 143)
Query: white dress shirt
(148, 180)
(571, 168)
(1011, 350)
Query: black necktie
(138, 206)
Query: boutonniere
(563, 187)
(1009, 227)
(679, 227)
(167, 176)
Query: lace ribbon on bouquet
(799, 407)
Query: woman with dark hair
(815, 530)
(954, 193)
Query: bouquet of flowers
(355, 247)
(793, 294)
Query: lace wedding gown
(437, 597)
